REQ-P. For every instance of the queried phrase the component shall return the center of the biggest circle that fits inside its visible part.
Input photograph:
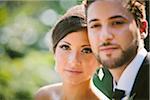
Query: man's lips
(108, 48)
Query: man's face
(113, 33)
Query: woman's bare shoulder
(49, 92)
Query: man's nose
(105, 34)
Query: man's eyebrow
(113, 17)
(117, 16)
(93, 20)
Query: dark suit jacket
(141, 84)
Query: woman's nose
(74, 59)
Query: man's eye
(87, 50)
(95, 26)
(64, 47)
(118, 23)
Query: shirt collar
(129, 74)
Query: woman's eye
(87, 50)
(64, 47)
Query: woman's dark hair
(65, 26)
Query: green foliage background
(26, 63)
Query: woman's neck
(76, 91)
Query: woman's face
(75, 61)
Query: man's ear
(143, 29)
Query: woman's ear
(143, 29)
(55, 66)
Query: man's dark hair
(136, 7)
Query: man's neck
(124, 76)
(116, 72)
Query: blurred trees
(25, 61)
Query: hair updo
(73, 20)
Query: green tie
(102, 84)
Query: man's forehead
(107, 12)
(123, 2)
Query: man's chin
(111, 63)
(108, 64)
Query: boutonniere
(130, 97)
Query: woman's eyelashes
(86, 50)
(64, 47)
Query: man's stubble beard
(125, 58)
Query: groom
(116, 30)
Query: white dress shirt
(128, 76)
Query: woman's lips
(73, 71)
